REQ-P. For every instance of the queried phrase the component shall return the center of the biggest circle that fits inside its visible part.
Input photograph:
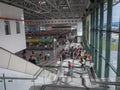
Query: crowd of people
(75, 53)
(35, 57)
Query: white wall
(79, 32)
(79, 29)
(13, 42)
(10, 11)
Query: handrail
(107, 83)
(62, 86)
(21, 78)
(67, 86)
(59, 66)
(22, 59)
(35, 76)
(104, 82)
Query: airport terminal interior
(59, 44)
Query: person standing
(70, 67)
(82, 63)
(32, 59)
(38, 57)
(48, 56)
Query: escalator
(40, 78)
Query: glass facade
(108, 40)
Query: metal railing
(35, 75)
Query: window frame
(7, 27)
(17, 27)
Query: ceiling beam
(24, 6)
(40, 8)
(55, 7)
(69, 6)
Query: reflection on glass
(103, 69)
(114, 49)
(114, 41)
(104, 44)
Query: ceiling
(50, 9)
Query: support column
(100, 39)
(108, 37)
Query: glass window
(88, 29)
(17, 27)
(114, 49)
(103, 69)
(114, 40)
(115, 17)
(104, 39)
(7, 28)
(104, 44)
(42, 28)
(99, 19)
(105, 16)
(104, 29)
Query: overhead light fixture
(65, 7)
(41, 2)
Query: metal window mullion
(108, 37)
(118, 61)
(92, 20)
(100, 40)
(84, 36)
(83, 31)
(93, 37)
(96, 40)
(91, 30)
